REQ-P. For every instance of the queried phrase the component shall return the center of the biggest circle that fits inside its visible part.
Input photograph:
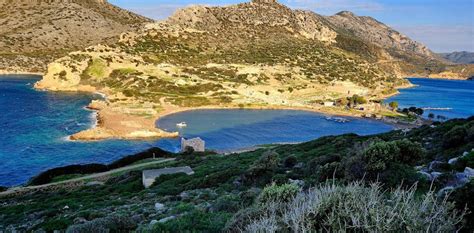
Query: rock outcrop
(373, 31)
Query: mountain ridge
(461, 57)
(57, 27)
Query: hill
(34, 33)
(232, 192)
(259, 54)
(459, 57)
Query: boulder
(469, 172)
(153, 222)
(453, 160)
(435, 175)
(159, 206)
(461, 179)
(298, 183)
(163, 220)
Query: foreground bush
(357, 208)
(281, 193)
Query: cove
(449, 98)
(34, 126)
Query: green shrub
(470, 133)
(56, 224)
(454, 137)
(107, 224)
(274, 193)
(195, 221)
(462, 197)
(356, 208)
(393, 105)
(378, 155)
(465, 161)
(261, 172)
(411, 153)
(227, 203)
(290, 161)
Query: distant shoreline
(6, 72)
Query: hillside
(459, 57)
(375, 32)
(254, 55)
(259, 54)
(34, 33)
(232, 192)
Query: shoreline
(132, 120)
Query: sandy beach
(125, 118)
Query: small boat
(341, 120)
(182, 124)
(337, 119)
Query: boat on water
(337, 119)
(182, 125)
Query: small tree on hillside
(393, 105)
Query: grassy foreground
(241, 191)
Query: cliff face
(35, 32)
(257, 14)
(373, 31)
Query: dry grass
(357, 208)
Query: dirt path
(18, 190)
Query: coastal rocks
(61, 76)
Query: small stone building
(149, 176)
(197, 144)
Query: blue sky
(443, 25)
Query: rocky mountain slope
(372, 31)
(459, 57)
(35, 32)
(259, 54)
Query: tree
(378, 155)
(455, 137)
(393, 105)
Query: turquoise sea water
(34, 125)
(449, 98)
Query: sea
(34, 125)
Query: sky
(442, 25)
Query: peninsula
(259, 54)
